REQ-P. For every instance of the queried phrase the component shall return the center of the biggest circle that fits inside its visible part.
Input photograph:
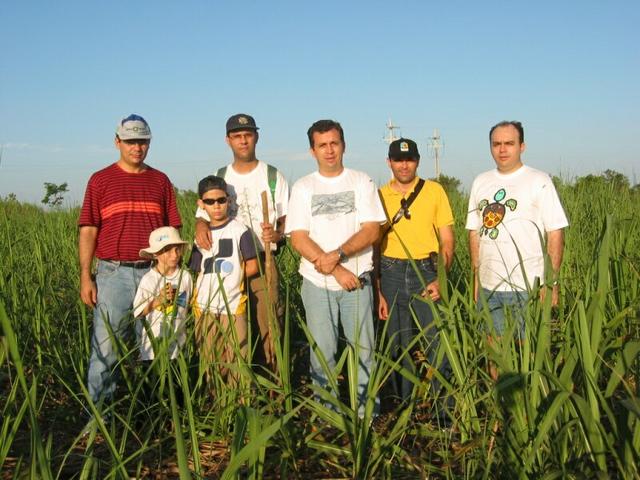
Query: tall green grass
(566, 402)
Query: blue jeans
(505, 308)
(354, 310)
(117, 287)
(409, 316)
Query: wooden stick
(267, 283)
(267, 245)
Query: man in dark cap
(418, 230)
(247, 177)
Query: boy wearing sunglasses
(220, 298)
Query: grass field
(566, 403)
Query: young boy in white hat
(163, 294)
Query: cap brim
(238, 129)
(134, 137)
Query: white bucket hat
(160, 238)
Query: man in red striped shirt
(123, 204)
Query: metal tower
(391, 136)
(436, 150)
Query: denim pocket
(106, 269)
(386, 263)
(426, 265)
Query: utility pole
(391, 136)
(436, 148)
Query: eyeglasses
(403, 212)
(405, 208)
(213, 201)
(136, 141)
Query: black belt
(138, 264)
(432, 258)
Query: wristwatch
(342, 257)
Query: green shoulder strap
(222, 172)
(272, 177)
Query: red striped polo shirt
(126, 208)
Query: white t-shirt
(511, 213)
(165, 322)
(332, 209)
(221, 269)
(245, 191)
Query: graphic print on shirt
(181, 301)
(244, 207)
(333, 204)
(218, 263)
(493, 213)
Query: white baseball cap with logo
(133, 127)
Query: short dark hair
(322, 126)
(507, 123)
(211, 183)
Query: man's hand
(383, 308)
(326, 262)
(345, 278)
(203, 234)
(88, 291)
(87, 241)
(270, 234)
(432, 291)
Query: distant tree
(609, 178)
(11, 197)
(618, 180)
(450, 184)
(54, 194)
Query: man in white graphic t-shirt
(334, 218)
(514, 216)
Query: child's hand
(169, 293)
(165, 297)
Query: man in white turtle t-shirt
(514, 216)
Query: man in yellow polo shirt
(419, 228)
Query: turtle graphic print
(493, 213)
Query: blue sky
(570, 71)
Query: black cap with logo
(241, 121)
(403, 148)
